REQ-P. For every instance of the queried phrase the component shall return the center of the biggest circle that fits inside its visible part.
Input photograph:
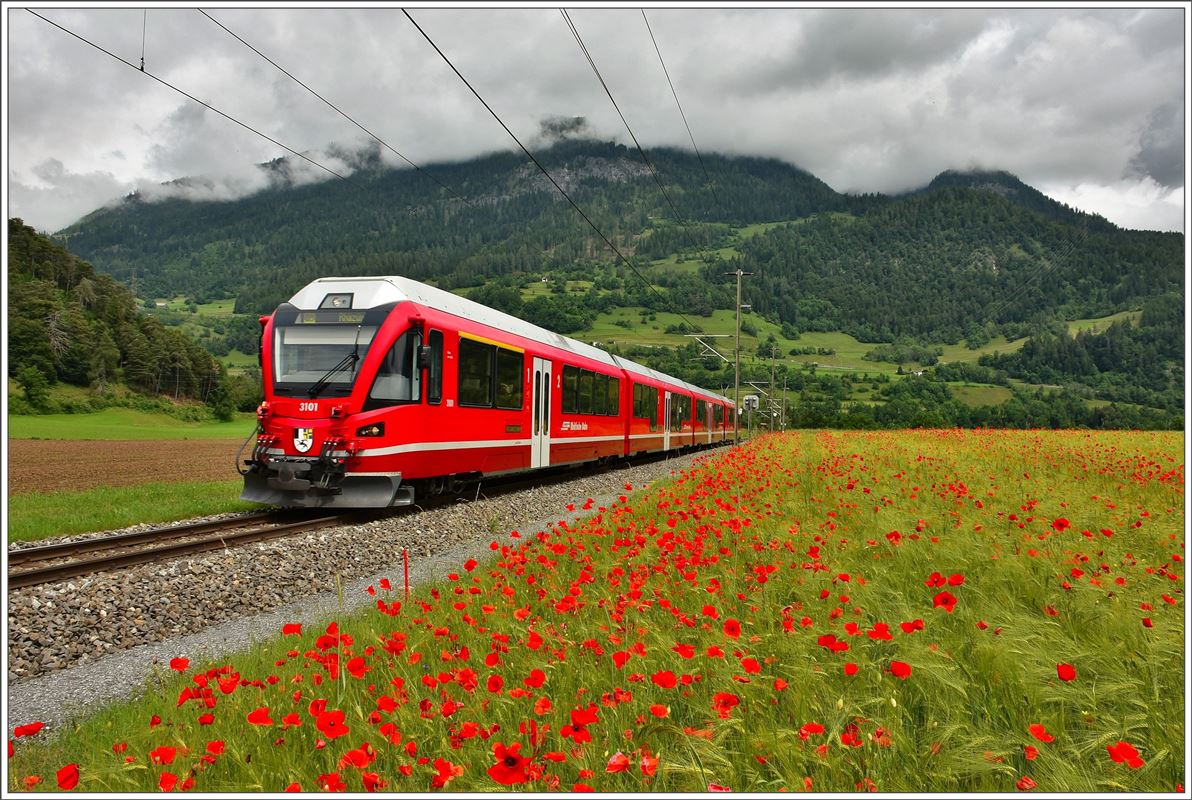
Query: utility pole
(784, 401)
(737, 380)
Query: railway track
(57, 562)
(32, 566)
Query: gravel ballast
(95, 639)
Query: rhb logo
(303, 439)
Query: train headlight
(376, 429)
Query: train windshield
(310, 355)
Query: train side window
(509, 378)
(600, 394)
(652, 398)
(586, 380)
(476, 373)
(434, 373)
(614, 397)
(570, 389)
(701, 412)
(398, 377)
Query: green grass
(1101, 323)
(980, 394)
(686, 623)
(238, 362)
(124, 424)
(37, 516)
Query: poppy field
(926, 611)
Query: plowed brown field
(43, 465)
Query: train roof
(372, 291)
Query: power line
(592, 64)
(187, 95)
(332, 106)
(666, 72)
(543, 169)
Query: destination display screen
(331, 317)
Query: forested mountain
(970, 255)
(67, 323)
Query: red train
(380, 389)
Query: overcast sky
(1086, 105)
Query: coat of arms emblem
(303, 439)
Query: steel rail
(96, 543)
(74, 569)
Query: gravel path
(73, 646)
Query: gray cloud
(867, 99)
(1161, 147)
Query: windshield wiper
(350, 359)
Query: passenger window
(475, 373)
(570, 390)
(398, 377)
(509, 378)
(586, 382)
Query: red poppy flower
(215, 747)
(618, 763)
(356, 667)
(751, 665)
(850, 669)
(955, 579)
(447, 773)
(944, 600)
(1030, 752)
(664, 678)
(1061, 524)
(685, 650)
(935, 580)
(163, 755)
(511, 764)
(154, 721)
(810, 729)
(167, 781)
(648, 764)
(900, 669)
(1040, 733)
(536, 679)
(179, 664)
(331, 724)
(331, 782)
(68, 777)
(1025, 784)
(27, 730)
(660, 711)
(260, 717)
(912, 626)
(620, 657)
(291, 629)
(732, 628)
(1066, 672)
(206, 719)
(1125, 752)
(723, 704)
(495, 683)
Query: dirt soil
(42, 465)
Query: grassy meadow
(125, 424)
(919, 611)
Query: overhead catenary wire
(592, 63)
(670, 83)
(334, 107)
(543, 169)
(169, 85)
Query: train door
(666, 421)
(540, 405)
